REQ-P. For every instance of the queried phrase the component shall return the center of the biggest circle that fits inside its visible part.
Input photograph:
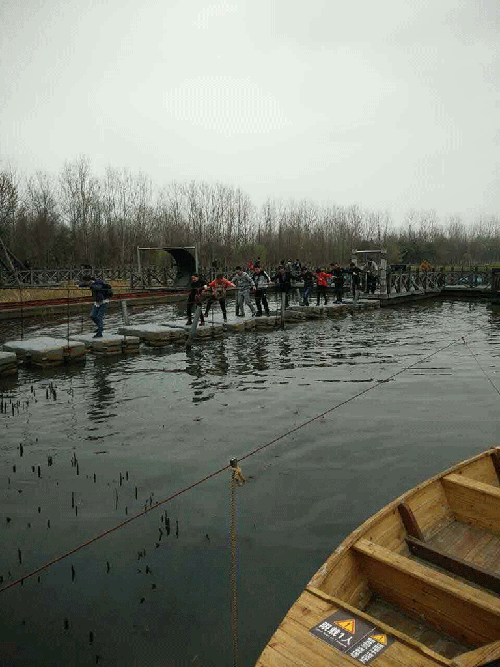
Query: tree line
(78, 218)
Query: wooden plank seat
(470, 615)
(469, 545)
(294, 645)
(463, 549)
(485, 656)
(457, 548)
(462, 568)
(473, 502)
(409, 640)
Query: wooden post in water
(192, 330)
(139, 267)
(383, 278)
(126, 320)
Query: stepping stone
(8, 364)
(294, 316)
(110, 344)
(155, 335)
(236, 326)
(46, 351)
(265, 323)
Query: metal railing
(397, 282)
(401, 282)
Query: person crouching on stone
(101, 293)
(197, 286)
(217, 292)
(244, 283)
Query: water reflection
(241, 351)
(286, 351)
(204, 363)
(494, 328)
(260, 353)
(102, 394)
(219, 358)
(194, 361)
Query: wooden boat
(416, 585)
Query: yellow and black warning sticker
(349, 625)
(353, 636)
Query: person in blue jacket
(101, 293)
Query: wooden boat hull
(417, 584)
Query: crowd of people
(254, 280)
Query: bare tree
(9, 198)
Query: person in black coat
(197, 286)
(101, 293)
(308, 280)
(355, 272)
(338, 282)
(283, 280)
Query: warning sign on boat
(352, 635)
(349, 625)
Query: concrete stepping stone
(8, 364)
(110, 344)
(155, 335)
(46, 351)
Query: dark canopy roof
(186, 265)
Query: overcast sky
(392, 105)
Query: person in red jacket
(321, 284)
(218, 289)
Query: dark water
(165, 418)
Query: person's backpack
(107, 291)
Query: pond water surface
(83, 448)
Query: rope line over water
(111, 530)
(104, 533)
(237, 480)
(347, 400)
(481, 368)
